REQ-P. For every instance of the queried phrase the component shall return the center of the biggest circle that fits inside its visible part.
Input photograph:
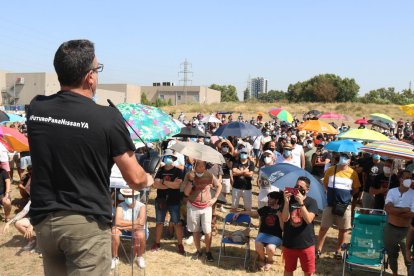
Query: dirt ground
(16, 262)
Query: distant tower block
(185, 79)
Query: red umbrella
(332, 115)
(15, 139)
(362, 121)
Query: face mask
(225, 150)
(293, 142)
(243, 156)
(343, 160)
(286, 153)
(199, 174)
(407, 183)
(128, 200)
(168, 160)
(267, 133)
(387, 170)
(207, 140)
(94, 98)
(310, 146)
(267, 160)
(272, 149)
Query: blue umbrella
(344, 146)
(238, 129)
(285, 175)
(14, 118)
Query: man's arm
(409, 243)
(173, 184)
(132, 172)
(302, 159)
(389, 208)
(158, 184)
(285, 211)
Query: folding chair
(366, 250)
(241, 221)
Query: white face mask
(387, 170)
(199, 174)
(267, 160)
(225, 150)
(407, 183)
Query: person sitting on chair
(271, 227)
(124, 224)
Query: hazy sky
(226, 41)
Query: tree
(144, 99)
(272, 96)
(246, 94)
(321, 87)
(228, 92)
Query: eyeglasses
(98, 68)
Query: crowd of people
(77, 222)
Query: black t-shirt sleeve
(5, 174)
(251, 166)
(262, 211)
(119, 138)
(159, 173)
(312, 206)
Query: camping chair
(366, 250)
(242, 221)
(127, 238)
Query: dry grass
(17, 263)
(355, 110)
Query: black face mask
(293, 142)
(272, 149)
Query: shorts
(5, 166)
(306, 257)
(127, 233)
(268, 239)
(160, 214)
(343, 223)
(199, 218)
(247, 198)
(226, 185)
(25, 161)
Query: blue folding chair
(241, 221)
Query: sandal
(268, 265)
(337, 255)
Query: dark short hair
(304, 179)
(73, 59)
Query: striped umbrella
(281, 114)
(392, 149)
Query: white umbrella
(181, 125)
(210, 119)
(199, 151)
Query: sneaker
(180, 249)
(141, 262)
(209, 257)
(115, 262)
(189, 240)
(155, 247)
(30, 245)
(197, 255)
(318, 254)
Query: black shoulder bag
(338, 208)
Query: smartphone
(293, 191)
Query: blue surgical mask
(243, 155)
(94, 98)
(343, 160)
(168, 160)
(286, 153)
(206, 140)
(128, 200)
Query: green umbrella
(151, 123)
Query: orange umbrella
(15, 139)
(318, 126)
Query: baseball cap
(268, 151)
(376, 157)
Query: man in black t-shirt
(73, 144)
(243, 170)
(167, 182)
(298, 214)
(383, 182)
(371, 170)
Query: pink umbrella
(362, 121)
(332, 115)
